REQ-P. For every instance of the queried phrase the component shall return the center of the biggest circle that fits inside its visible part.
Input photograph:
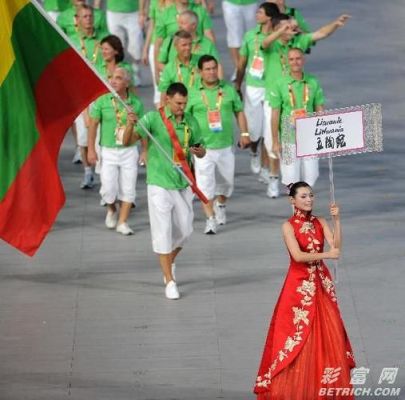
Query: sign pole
(333, 201)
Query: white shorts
(254, 111)
(215, 172)
(151, 56)
(171, 217)
(304, 169)
(126, 27)
(268, 139)
(118, 175)
(238, 20)
(81, 131)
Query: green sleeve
(160, 28)
(195, 136)
(206, 21)
(301, 22)
(319, 99)
(139, 109)
(237, 102)
(101, 22)
(275, 98)
(165, 79)
(244, 49)
(163, 56)
(144, 122)
(95, 110)
(152, 10)
(304, 41)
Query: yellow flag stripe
(8, 11)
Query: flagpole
(109, 87)
(333, 200)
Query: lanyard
(118, 113)
(293, 101)
(180, 76)
(257, 46)
(218, 101)
(283, 60)
(84, 50)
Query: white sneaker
(220, 213)
(171, 291)
(255, 163)
(124, 229)
(264, 176)
(273, 190)
(77, 158)
(173, 273)
(111, 220)
(88, 181)
(210, 226)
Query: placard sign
(337, 132)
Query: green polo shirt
(276, 57)
(89, 46)
(241, 2)
(160, 171)
(251, 47)
(201, 46)
(176, 71)
(103, 111)
(153, 13)
(166, 22)
(56, 5)
(66, 20)
(279, 96)
(123, 6)
(230, 104)
(102, 69)
(294, 13)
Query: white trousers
(268, 139)
(238, 19)
(304, 169)
(215, 172)
(118, 175)
(255, 112)
(171, 217)
(151, 57)
(126, 27)
(81, 131)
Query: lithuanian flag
(44, 85)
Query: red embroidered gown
(307, 348)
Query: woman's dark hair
(270, 9)
(116, 44)
(295, 186)
(176, 88)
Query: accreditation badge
(256, 69)
(119, 135)
(214, 120)
(299, 113)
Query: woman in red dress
(307, 355)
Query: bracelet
(244, 134)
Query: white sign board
(338, 132)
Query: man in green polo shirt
(125, 19)
(119, 159)
(183, 68)
(214, 103)
(188, 22)
(169, 195)
(276, 47)
(294, 95)
(87, 40)
(251, 65)
(67, 19)
(167, 24)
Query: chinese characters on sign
(330, 133)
